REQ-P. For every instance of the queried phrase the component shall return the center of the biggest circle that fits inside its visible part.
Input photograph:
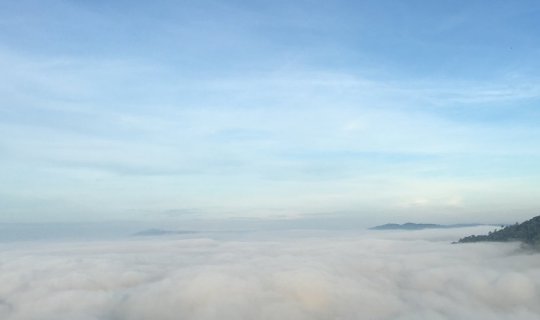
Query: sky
(354, 110)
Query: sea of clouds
(280, 275)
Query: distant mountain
(419, 226)
(160, 232)
(527, 232)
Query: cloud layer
(415, 275)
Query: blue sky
(377, 110)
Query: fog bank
(373, 275)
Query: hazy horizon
(118, 230)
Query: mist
(279, 275)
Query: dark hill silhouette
(527, 232)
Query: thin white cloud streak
(402, 275)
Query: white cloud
(397, 275)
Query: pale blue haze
(368, 110)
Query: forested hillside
(527, 232)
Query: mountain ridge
(527, 232)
